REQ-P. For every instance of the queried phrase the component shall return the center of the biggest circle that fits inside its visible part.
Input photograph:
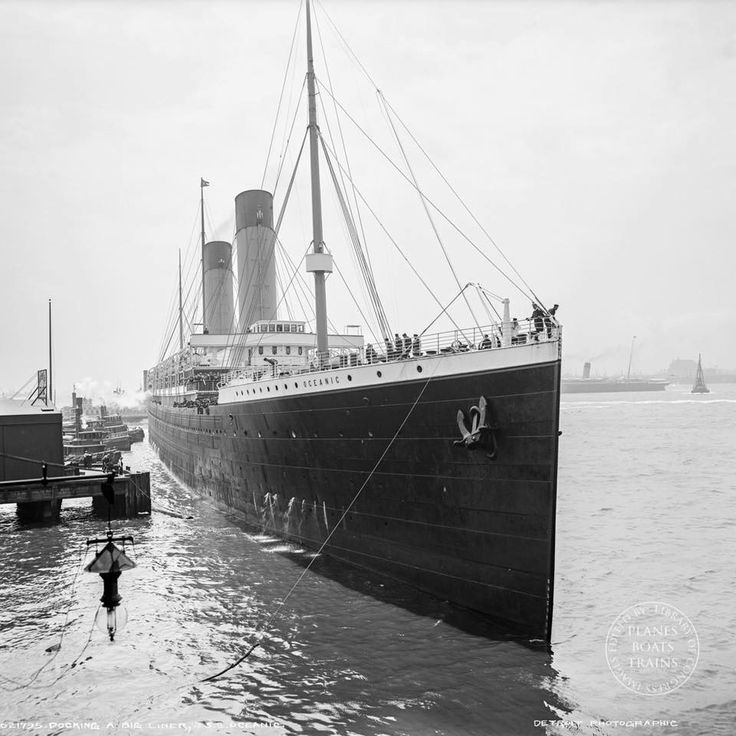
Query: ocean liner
(431, 458)
(588, 385)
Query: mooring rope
(32, 460)
(57, 647)
(335, 527)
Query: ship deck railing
(484, 337)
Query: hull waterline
(474, 526)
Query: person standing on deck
(416, 346)
(515, 339)
(537, 320)
(550, 320)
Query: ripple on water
(341, 655)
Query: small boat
(699, 386)
(136, 434)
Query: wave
(646, 402)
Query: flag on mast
(203, 182)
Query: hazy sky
(594, 141)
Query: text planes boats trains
(428, 456)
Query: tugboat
(699, 386)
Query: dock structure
(39, 499)
(31, 449)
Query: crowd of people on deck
(201, 404)
(541, 323)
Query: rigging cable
(282, 158)
(462, 202)
(241, 345)
(373, 84)
(445, 311)
(302, 289)
(173, 307)
(357, 306)
(172, 321)
(401, 252)
(363, 265)
(427, 212)
(245, 319)
(281, 95)
(280, 279)
(429, 201)
(342, 140)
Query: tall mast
(49, 388)
(318, 262)
(181, 316)
(202, 185)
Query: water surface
(646, 511)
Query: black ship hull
(473, 526)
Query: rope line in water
(34, 676)
(335, 527)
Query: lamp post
(109, 563)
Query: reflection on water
(646, 511)
(341, 656)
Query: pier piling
(39, 499)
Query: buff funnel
(255, 241)
(218, 286)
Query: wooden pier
(39, 499)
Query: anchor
(478, 433)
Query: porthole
(296, 385)
(268, 388)
(350, 378)
(286, 386)
(419, 369)
(379, 374)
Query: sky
(593, 141)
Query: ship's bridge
(201, 365)
(276, 325)
(285, 340)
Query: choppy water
(646, 511)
